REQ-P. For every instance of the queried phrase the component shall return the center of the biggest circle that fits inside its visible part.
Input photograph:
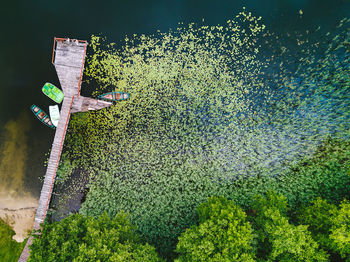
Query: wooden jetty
(68, 57)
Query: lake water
(27, 36)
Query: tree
(223, 234)
(278, 239)
(318, 216)
(340, 235)
(330, 226)
(79, 238)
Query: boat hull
(42, 116)
(114, 96)
(54, 114)
(53, 92)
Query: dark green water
(28, 29)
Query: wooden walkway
(68, 59)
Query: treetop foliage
(329, 225)
(278, 239)
(223, 234)
(79, 238)
(340, 234)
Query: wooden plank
(83, 104)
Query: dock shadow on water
(17, 205)
(68, 195)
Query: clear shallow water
(26, 49)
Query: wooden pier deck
(68, 58)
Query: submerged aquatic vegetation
(208, 106)
(13, 156)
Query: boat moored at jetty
(53, 92)
(114, 96)
(54, 114)
(42, 116)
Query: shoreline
(19, 213)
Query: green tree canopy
(278, 239)
(330, 225)
(222, 235)
(318, 216)
(341, 230)
(79, 238)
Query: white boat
(54, 114)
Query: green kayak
(53, 92)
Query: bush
(10, 250)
